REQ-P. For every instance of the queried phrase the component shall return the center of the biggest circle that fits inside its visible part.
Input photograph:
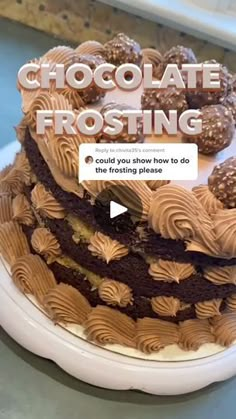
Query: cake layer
(155, 245)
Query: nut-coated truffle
(217, 130)
(167, 99)
(122, 49)
(222, 182)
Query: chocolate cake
(169, 278)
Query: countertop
(35, 388)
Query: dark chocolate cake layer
(157, 246)
(133, 271)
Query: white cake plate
(28, 326)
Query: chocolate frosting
(115, 293)
(154, 334)
(108, 326)
(13, 242)
(46, 244)
(32, 276)
(45, 203)
(6, 213)
(105, 248)
(65, 304)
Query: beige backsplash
(79, 20)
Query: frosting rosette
(91, 48)
(13, 242)
(22, 211)
(65, 304)
(46, 244)
(115, 293)
(108, 326)
(225, 230)
(154, 335)
(32, 276)
(105, 248)
(44, 202)
(168, 271)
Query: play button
(116, 209)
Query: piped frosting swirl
(154, 335)
(13, 242)
(45, 203)
(91, 48)
(65, 304)
(221, 275)
(165, 306)
(108, 326)
(207, 199)
(115, 293)
(170, 271)
(6, 213)
(195, 333)
(225, 230)
(46, 244)
(22, 211)
(105, 248)
(155, 184)
(32, 276)
(207, 309)
(177, 214)
(225, 328)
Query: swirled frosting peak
(165, 306)
(207, 199)
(45, 203)
(91, 48)
(225, 328)
(115, 293)
(22, 211)
(108, 326)
(194, 333)
(46, 244)
(60, 55)
(65, 152)
(177, 214)
(220, 275)
(13, 242)
(65, 304)
(154, 335)
(225, 230)
(105, 248)
(11, 181)
(155, 184)
(207, 309)
(46, 101)
(151, 56)
(6, 213)
(164, 270)
(32, 276)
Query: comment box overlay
(120, 161)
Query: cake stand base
(28, 326)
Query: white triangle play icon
(116, 209)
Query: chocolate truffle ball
(123, 137)
(199, 98)
(122, 49)
(166, 100)
(230, 103)
(176, 55)
(217, 130)
(222, 182)
(92, 93)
